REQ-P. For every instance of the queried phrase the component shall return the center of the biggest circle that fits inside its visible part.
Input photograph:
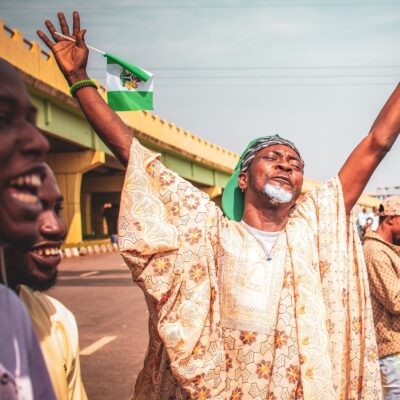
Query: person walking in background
(374, 215)
(30, 274)
(382, 256)
(361, 221)
(367, 226)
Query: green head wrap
(233, 197)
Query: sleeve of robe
(333, 300)
(167, 234)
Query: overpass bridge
(89, 176)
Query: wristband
(80, 84)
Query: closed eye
(297, 166)
(270, 158)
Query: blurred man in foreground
(382, 255)
(31, 273)
(23, 373)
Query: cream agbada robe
(57, 331)
(225, 323)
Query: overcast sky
(315, 72)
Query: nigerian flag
(129, 87)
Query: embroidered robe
(224, 322)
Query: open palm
(71, 57)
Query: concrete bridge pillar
(97, 217)
(68, 169)
(86, 201)
(105, 216)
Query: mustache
(282, 177)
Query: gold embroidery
(250, 285)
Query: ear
(243, 180)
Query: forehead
(281, 149)
(12, 88)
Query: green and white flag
(129, 87)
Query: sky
(315, 72)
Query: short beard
(277, 195)
(38, 284)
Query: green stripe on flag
(130, 100)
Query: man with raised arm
(270, 300)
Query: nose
(51, 226)
(284, 166)
(34, 143)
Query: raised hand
(72, 60)
(71, 57)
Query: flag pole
(73, 40)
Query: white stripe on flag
(114, 81)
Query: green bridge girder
(68, 124)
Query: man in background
(382, 256)
(374, 215)
(30, 274)
(361, 221)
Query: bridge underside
(89, 176)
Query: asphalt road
(112, 320)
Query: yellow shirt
(57, 332)
(229, 323)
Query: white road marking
(89, 273)
(97, 345)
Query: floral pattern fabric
(225, 322)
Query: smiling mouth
(47, 256)
(47, 251)
(47, 248)
(24, 188)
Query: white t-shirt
(362, 219)
(267, 239)
(375, 221)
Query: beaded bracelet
(80, 84)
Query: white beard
(277, 195)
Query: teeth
(26, 197)
(48, 251)
(30, 180)
(36, 181)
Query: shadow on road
(100, 278)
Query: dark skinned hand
(71, 57)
